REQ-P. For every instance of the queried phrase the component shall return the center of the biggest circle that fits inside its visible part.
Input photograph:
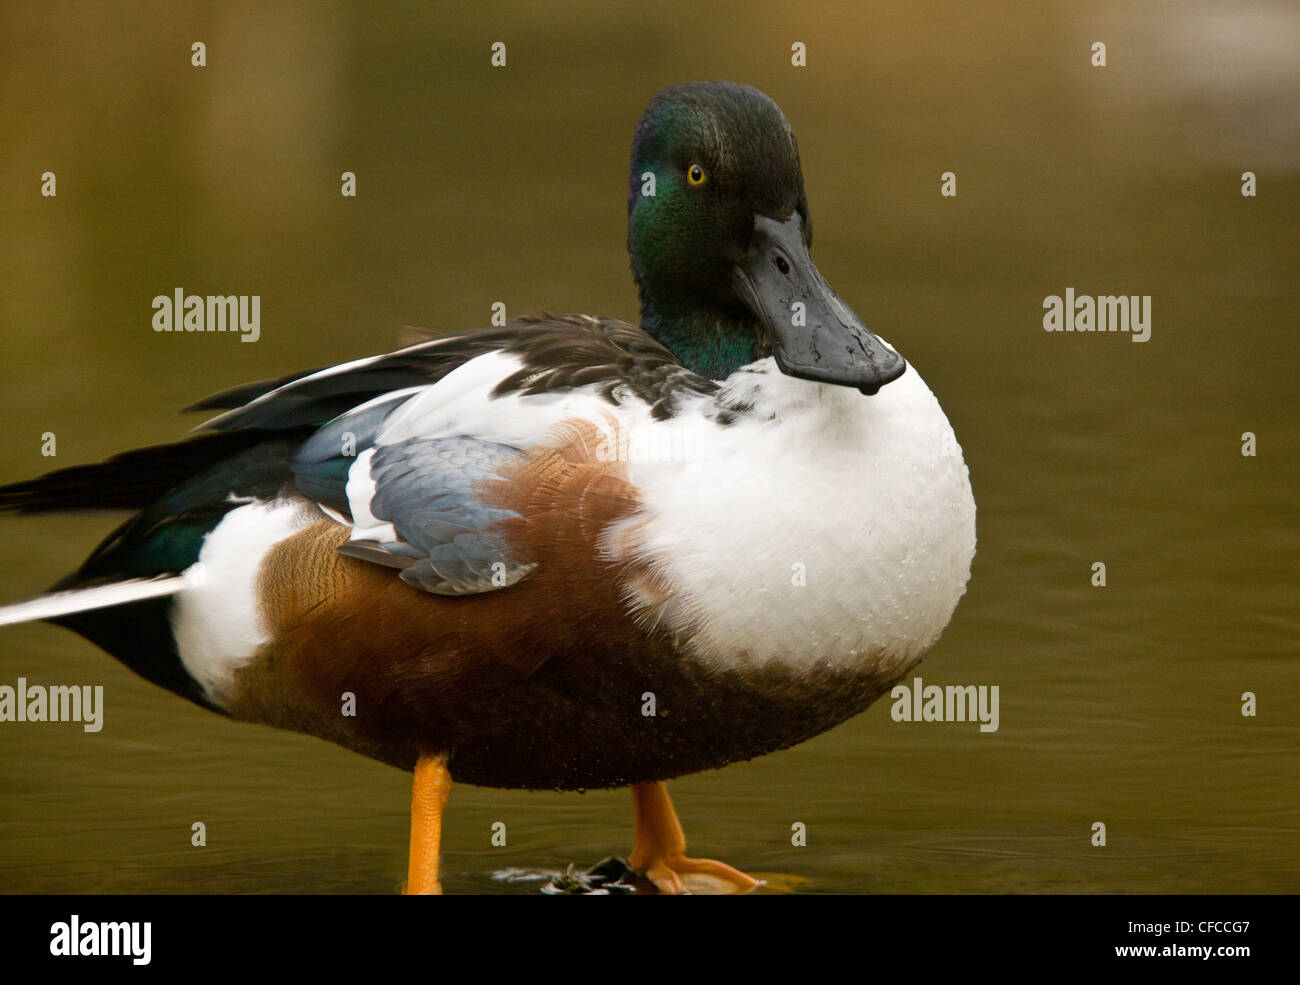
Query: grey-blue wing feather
(431, 490)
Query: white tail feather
(85, 599)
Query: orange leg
(428, 798)
(659, 852)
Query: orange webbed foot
(660, 851)
(679, 874)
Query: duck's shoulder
(543, 354)
(569, 352)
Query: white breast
(839, 532)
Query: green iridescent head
(719, 233)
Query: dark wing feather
(237, 396)
(132, 480)
(557, 352)
(580, 350)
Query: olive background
(478, 184)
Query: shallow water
(1118, 704)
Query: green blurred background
(478, 184)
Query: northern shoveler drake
(568, 552)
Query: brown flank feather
(539, 685)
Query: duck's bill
(815, 335)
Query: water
(1118, 704)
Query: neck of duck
(709, 340)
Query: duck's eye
(695, 175)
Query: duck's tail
(56, 605)
(129, 482)
(121, 597)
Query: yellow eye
(695, 175)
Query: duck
(566, 552)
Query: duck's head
(719, 234)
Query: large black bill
(817, 336)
